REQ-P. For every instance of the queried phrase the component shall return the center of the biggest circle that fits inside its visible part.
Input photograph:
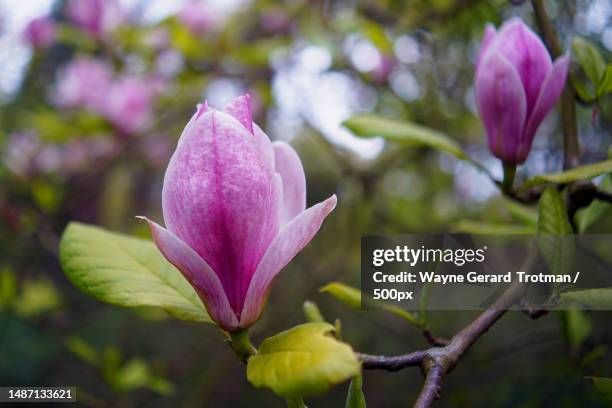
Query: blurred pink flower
(275, 21)
(40, 32)
(158, 39)
(79, 155)
(96, 17)
(234, 205)
(380, 74)
(26, 155)
(516, 86)
(196, 16)
(84, 82)
(128, 104)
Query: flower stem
(241, 344)
(509, 172)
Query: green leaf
(605, 84)
(552, 217)
(526, 215)
(588, 216)
(83, 350)
(312, 312)
(584, 91)
(355, 397)
(410, 134)
(346, 294)
(376, 34)
(38, 296)
(578, 327)
(589, 58)
(8, 288)
(557, 247)
(126, 271)
(351, 297)
(488, 228)
(603, 386)
(295, 402)
(600, 298)
(303, 360)
(579, 173)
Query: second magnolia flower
(516, 84)
(234, 205)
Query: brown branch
(531, 311)
(435, 340)
(391, 363)
(436, 362)
(603, 195)
(431, 388)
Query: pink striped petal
(201, 108)
(527, 53)
(240, 108)
(487, 40)
(198, 273)
(221, 199)
(264, 146)
(549, 94)
(289, 166)
(502, 104)
(292, 238)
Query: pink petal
(502, 105)
(290, 241)
(262, 141)
(221, 198)
(240, 108)
(198, 273)
(201, 108)
(526, 51)
(487, 40)
(289, 166)
(549, 94)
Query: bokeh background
(92, 104)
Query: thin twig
(431, 388)
(531, 311)
(391, 363)
(603, 195)
(438, 361)
(435, 340)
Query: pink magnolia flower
(84, 82)
(196, 16)
(234, 207)
(96, 17)
(40, 32)
(128, 104)
(516, 86)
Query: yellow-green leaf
(355, 397)
(603, 386)
(368, 125)
(605, 84)
(579, 173)
(589, 215)
(600, 298)
(348, 295)
(126, 271)
(556, 243)
(590, 59)
(303, 360)
(488, 228)
(351, 297)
